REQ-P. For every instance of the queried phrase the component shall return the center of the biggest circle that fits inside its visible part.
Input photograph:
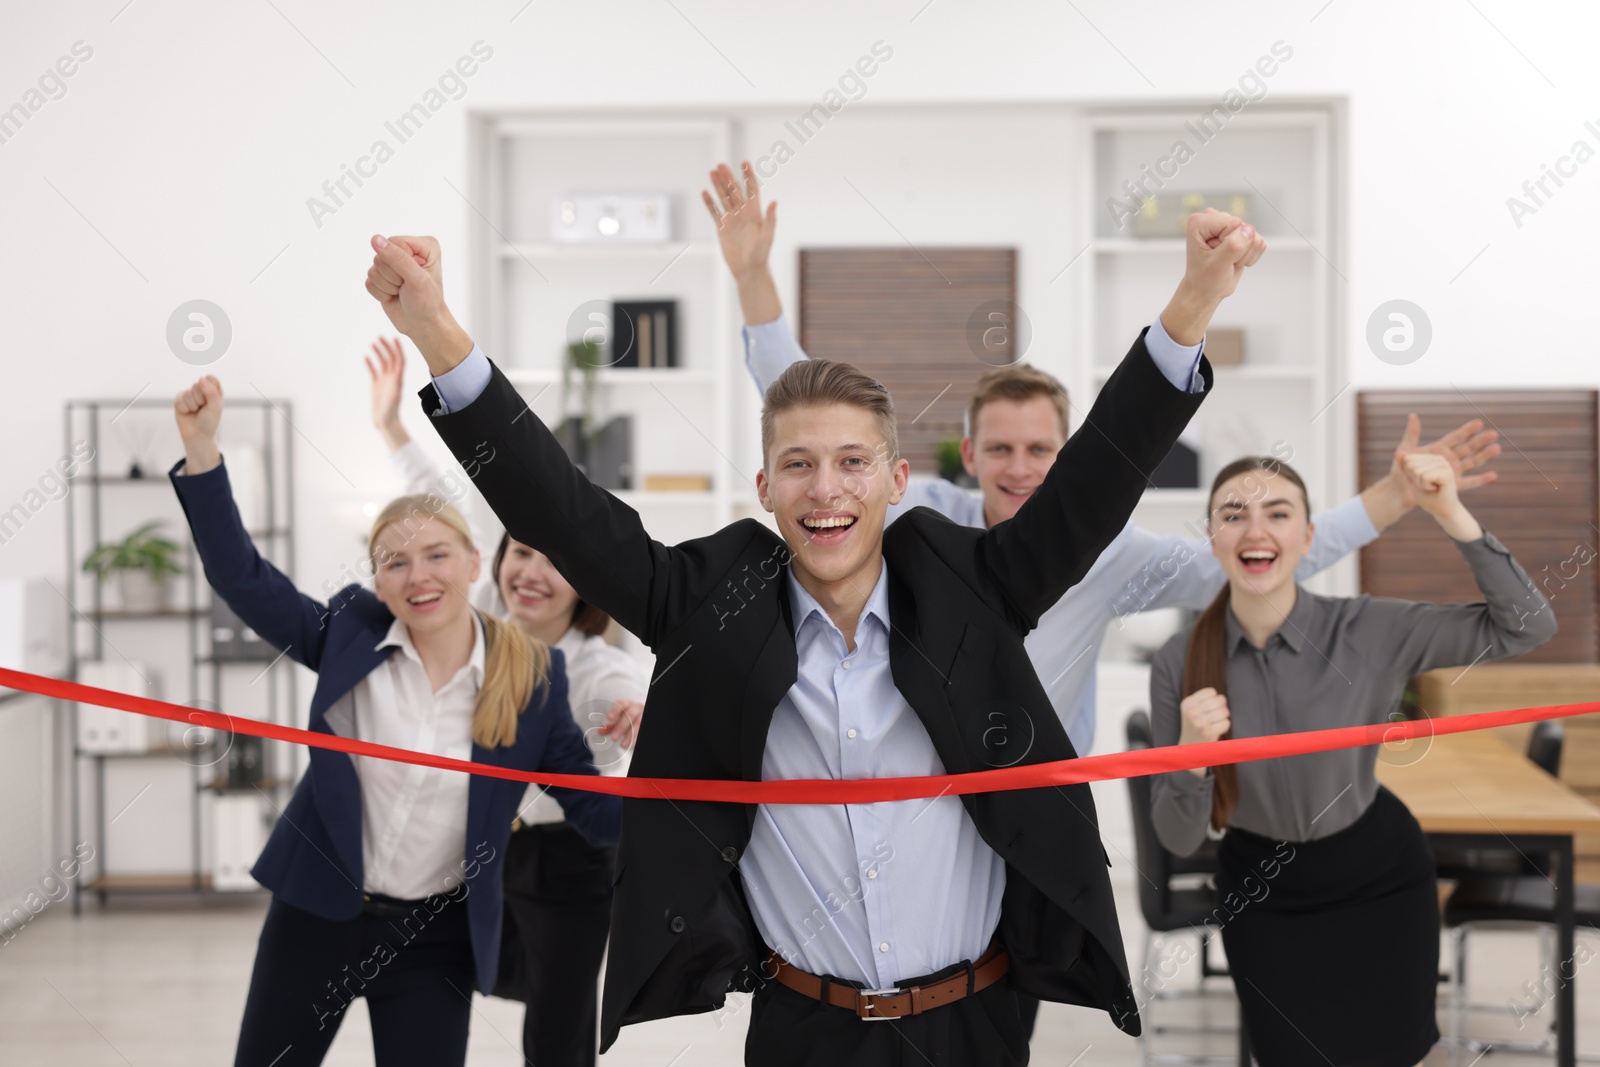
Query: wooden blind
(902, 316)
(1544, 505)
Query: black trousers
(558, 897)
(789, 1029)
(1028, 1010)
(416, 974)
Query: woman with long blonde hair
(386, 876)
(558, 885)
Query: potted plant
(142, 563)
(951, 468)
(583, 357)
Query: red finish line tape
(1111, 766)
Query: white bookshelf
(1287, 388)
(527, 287)
(1283, 304)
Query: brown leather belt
(877, 1004)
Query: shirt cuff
(765, 329)
(463, 383)
(1179, 363)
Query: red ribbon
(1113, 765)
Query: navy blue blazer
(313, 858)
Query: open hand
(1466, 448)
(387, 369)
(744, 233)
(622, 722)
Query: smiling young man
(846, 648)
(1017, 421)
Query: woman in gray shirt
(1329, 906)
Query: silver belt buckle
(890, 992)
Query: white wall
(179, 162)
(193, 136)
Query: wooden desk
(1482, 793)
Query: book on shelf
(677, 483)
(646, 331)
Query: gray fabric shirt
(1336, 661)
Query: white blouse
(413, 819)
(598, 673)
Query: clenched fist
(198, 410)
(1218, 248)
(1433, 481)
(1205, 718)
(408, 284)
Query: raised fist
(1433, 481)
(1219, 247)
(198, 410)
(406, 281)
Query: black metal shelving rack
(83, 422)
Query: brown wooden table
(1481, 793)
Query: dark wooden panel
(1545, 505)
(901, 315)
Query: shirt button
(845, 664)
(677, 925)
(873, 873)
(849, 733)
(884, 947)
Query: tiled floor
(154, 985)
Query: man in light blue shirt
(1011, 443)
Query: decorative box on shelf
(611, 218)
(1165, 214)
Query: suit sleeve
(1091, 489)
(258, 592)
(1409, 637)
(595, 541)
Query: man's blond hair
(1018, 382)
(821, 382)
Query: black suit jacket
(715, 612)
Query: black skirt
(1334, 944)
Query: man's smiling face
(829, 482)
(1012, 446)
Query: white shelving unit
(528, 287)
(1285, 392)
(1287, 388)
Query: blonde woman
(386, 877)
(558, 886)
(1332, 915)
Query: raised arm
(1099, 475)
(260, 594)
(595, 540)
(417, 471)
(1408, 637)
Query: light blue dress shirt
(1138, 571)
(876, 893)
